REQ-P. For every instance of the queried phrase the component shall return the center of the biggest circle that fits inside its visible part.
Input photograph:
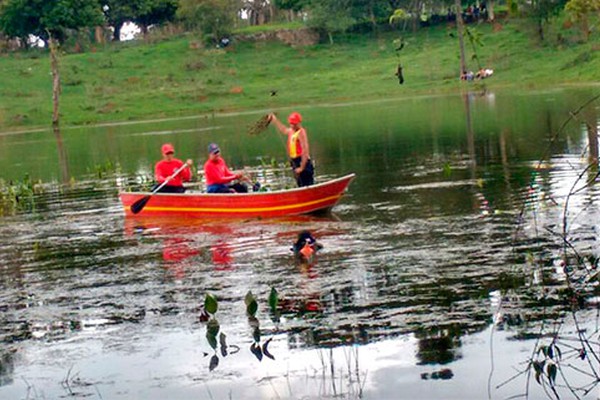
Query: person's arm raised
(281, 127)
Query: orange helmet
(295, 118)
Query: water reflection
(6, 367)
(63, 162)
(438, 346)
(185, 241)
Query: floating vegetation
(102, 170)
(18, 196)
(259, 126)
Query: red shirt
(216, 172)
(164, 169)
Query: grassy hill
(179, 77)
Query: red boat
(305, 200)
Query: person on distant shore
(484, 73)
(218, 176)
(467, 76)
(298, 150)
(167, 167)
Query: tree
(155, 12)
(49, 20)
(330, 16)
(258, 11)
(41, 18)
(143, 13)
(117, 12)
(291, 7)
(215, 18)
(579, 11)
(542, 10)
(371, 11)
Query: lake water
(444, 268)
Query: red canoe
(305, 200)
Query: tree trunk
(144, 31)
(99, 34)
(55, 82)
(461, 39)
(541, 29)
(585, 27)
(491, 15)
(117, 32)
(372, 16)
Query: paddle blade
(139, 205)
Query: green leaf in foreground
(251, 304)
(210, 304)
(212, 328)
(273, 299)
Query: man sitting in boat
(218, 176)
(167, 167)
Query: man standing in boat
(297, 146)
(167, 167)
(218, 176)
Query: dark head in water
(306, 245)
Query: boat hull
(306, 200)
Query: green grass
(178, 77)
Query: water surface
(440, 268)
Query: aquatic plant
(260, 125)
(212, 328)
(215, 337)
(18, 196)
(273, 300)
(259, 350)
(108, 168)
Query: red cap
(295, 118)
(167, 148)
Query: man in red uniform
(298, 150)
(167, 167)
(218, 176)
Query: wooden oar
(141, 203)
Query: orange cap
(167, 148)
(295, 118)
